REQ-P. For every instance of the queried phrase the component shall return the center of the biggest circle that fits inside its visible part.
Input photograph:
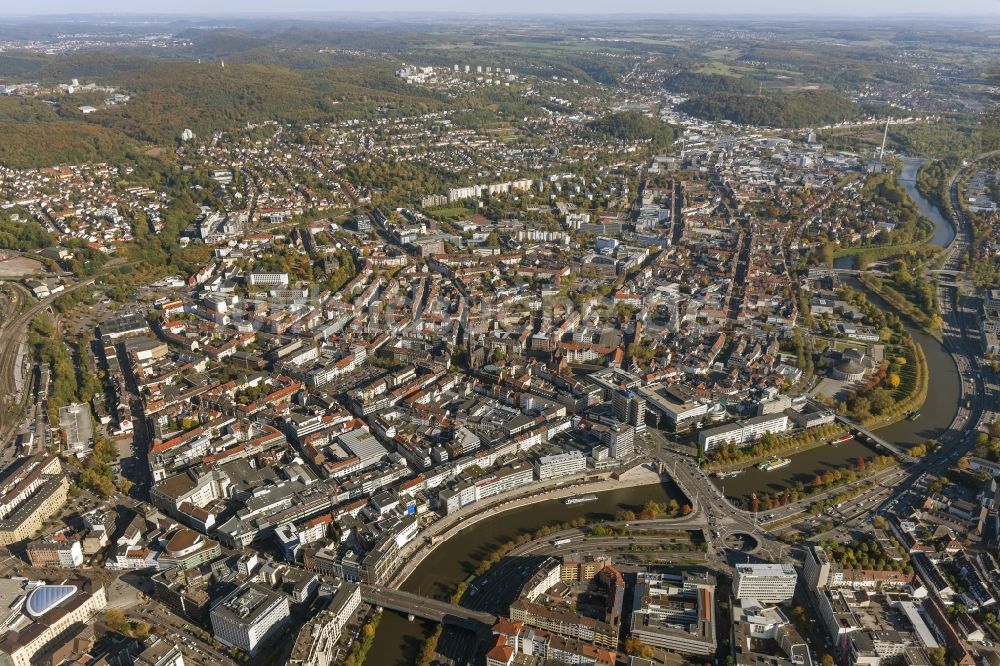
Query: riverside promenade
(443, 529)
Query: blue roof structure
(46, 597)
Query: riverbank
(900, 304)
(400, 641)
(798, 443)
(446, 528)
(915, 400)
(944, 227)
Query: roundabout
(741, 541)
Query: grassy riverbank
(931, 325)
(865, 256)
(911, 393)
(824, 482)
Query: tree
(893, 380)
(637, 648)
(881, 401)
(827, 660)
(115, 619)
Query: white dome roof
(46, 597)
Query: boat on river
(579, 499)
(728, 475)
(773, 464)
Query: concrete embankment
(442, 530)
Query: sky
(508, 7)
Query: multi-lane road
(961, 338)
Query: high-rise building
(816, 569)
(620, 438)
(629, 407)
(248, 616)
(766, 583)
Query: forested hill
(170, 96)
(808, 108)
(694, 83)
(634, 126)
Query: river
(944, 233)
(398, 640)
(936, 415)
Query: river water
(944, 233)
(397, 640)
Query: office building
(620, 439)
(630, 408)
(673, 406)
(563, 464)
(268, 279)
(248, 616)
(766, 583)
(676, 612)
(741, 433)
(817, 568)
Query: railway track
(12, 334)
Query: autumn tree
(636, 648)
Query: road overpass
(428, 609)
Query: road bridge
(428, 609)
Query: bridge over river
(428, 609)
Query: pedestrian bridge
(896, 450)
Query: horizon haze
(790, 8)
